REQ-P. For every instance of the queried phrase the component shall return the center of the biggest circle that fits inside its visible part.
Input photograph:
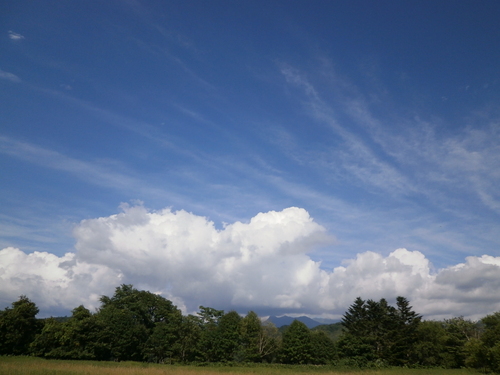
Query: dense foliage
(376, 331)
(142, 326)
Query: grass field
(37, 366)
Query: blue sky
(380, 120)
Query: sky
(284, 157)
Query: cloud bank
(264, 265)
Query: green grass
(38, 366)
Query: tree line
(142, 326)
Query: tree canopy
(142, 326)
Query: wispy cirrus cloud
(463, 162)
(15, 36)
(9, 76)
(354, 156)
(401, 155)
(409, 164)
(108, 174)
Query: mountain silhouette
(287, 320)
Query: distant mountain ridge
(287, 320)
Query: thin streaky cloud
(127, 182)
(15, 36)
(9, 76)
(141, 128)
(89, 172)
(294, 77)
(179, 39)
(415, 156)
(468, 160)
(357, 158)
(131, 183)
(200, 158)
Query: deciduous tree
(297, 344)
(18, 327)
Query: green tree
(190, 332)
(269, 342)
(131, 317)
(18, 327)
(80, 339)
(381, 327)
(227, 339)
(354, 319)
(458, 331)
(491, 333)
(251, 334)
(403, 331)
(476, 354)
(209, 321)
(297, 344)
(487, 352)
(209, 316)
(355, 342)
(48, 340)
(374, 330)
(323, 348)
(450, 343)
(369, 327)
(334, 331)
(356, 349)
(148, 308)
(162, 343)
(123, 335)
(429, 344)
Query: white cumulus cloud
(55, 283)
(263, 264)
(263, 261)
